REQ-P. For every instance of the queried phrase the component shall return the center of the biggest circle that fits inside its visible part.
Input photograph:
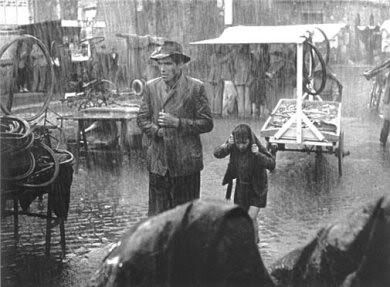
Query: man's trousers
(166, 192)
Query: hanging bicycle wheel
(312, 57)
(324, 46)
(26, 104)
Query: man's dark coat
(180, 149)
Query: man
(22, 68)
(173, 113)
(258, 89)
(243, 79)
(114, 65)
(215, 81)
(104, 59)
(39, 69)
(386, 113)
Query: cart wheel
(340, 153)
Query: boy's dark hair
(242, 131)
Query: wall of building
(14, 12)
(299, 11)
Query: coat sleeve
(203, 121)
(222, 150)
(264, 158)
(144, 117)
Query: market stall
(300, 124)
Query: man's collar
(175, 84)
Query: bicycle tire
(54, 175)
(8, 111)
(26, 173)
(323, 69)
(327, 55)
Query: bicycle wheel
(326, 48)
(37, 103)
(315, 54)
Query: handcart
(307, 123)
(308, 126)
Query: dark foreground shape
(352, 252)
(195, 244)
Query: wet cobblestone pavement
(305, 193)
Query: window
(14, 12)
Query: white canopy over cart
(300, 131)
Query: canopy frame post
(299, 91)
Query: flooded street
(305, 193)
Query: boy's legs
(253, 212)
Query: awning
(288, 34)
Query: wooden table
(117, 114)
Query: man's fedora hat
(167, 49)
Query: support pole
(228, 12)
(299, 91)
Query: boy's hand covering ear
(230, 140)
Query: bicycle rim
(49, 93)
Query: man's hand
(167, 120)
(255, 148)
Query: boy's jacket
(257, 169)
